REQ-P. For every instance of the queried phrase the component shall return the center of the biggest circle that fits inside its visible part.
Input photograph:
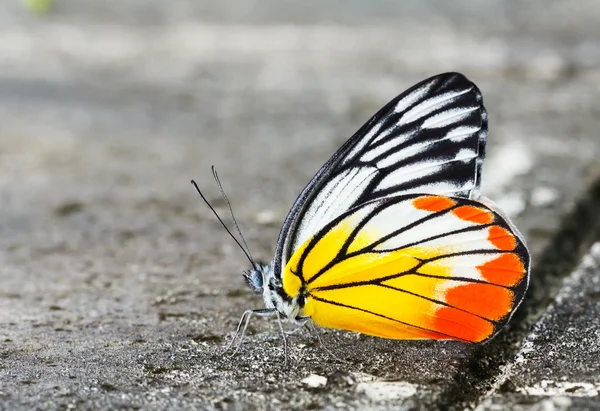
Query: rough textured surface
(558, 364)
(118, 288)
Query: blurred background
(109, 108)
(116, 105)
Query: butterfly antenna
(237, 227)
(222, 223)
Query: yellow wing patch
(412, 267)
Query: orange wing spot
(506, 270)
(462, 325)
(501, 238)
(474, 214)
(433, 203)
(486, 300)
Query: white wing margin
(430, 139)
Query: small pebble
(314, 381)
(387, 390)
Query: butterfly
(391, 237)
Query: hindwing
(412, 267)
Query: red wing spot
(433, 203)
(486, 300)
(501, 238)
(505, 270)
(462, 325)
(474, 214)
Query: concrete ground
(118, 290)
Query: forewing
(413, 267)
(430, 139)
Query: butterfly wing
(431, 138)
(413, 267)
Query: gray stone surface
(558, 364)
(117, 287)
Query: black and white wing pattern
(430, 139)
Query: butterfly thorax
(262, 280)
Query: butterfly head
(255, 277)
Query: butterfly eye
(254, 279)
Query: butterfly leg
(285, 355)
(314, 330)
(302, 321)
(243, 325)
